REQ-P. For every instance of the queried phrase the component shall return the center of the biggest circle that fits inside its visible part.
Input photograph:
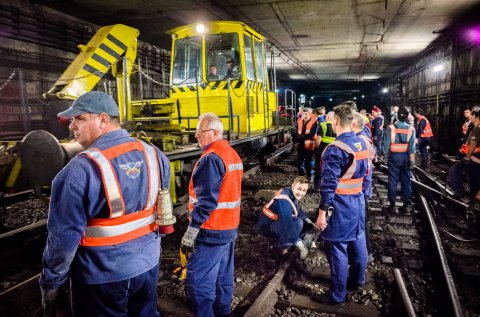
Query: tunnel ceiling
(324, 40)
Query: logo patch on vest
(132, 169)
(358, 145)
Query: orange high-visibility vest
(120, 226)
(227, 214)
(427, 131)
(399, 147)
(270, 214)
(310, 143)
(348, 185)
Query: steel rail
(407, 303)
(456, 306)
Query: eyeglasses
(203, 131)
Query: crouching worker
(282, 220)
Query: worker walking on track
(307, 133)
(424, 137)
(367, 186)
(377, 129)
(282, 220)
(344, 165)
(214, 194)
(399, 146)
(101, 223)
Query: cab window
(223, 51)
(259, 60)
(187, 61)
(249, 57)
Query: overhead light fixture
(354, 98)
(331, 99)
(363, 96)
(385, 90)
(438, 68)
(200, 28)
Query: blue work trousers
(276, 234)
(136, 296)
(473, 170)
(304, 161)
(398, 168)
(210, 279)
(340, 255)
(455, 176)
(377, 142)
(423, 145)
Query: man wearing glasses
(214, 205)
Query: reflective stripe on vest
(371, 149)
(226, 215)
(121, 227)
(309, 144)
(427, 131)
(326, 138)
(270, 214)
(399, 147)
(348, 185)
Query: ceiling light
(385, 90)
(438, 68)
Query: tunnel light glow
(438, 68)
(331, 99)
(354, 98)
(385, 90)
(473, 34)
(363, 96)
(200, 28)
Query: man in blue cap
(101, 223)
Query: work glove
(310, 227)
(188, 240)
(50, 301)
(411, 165)
(301, 249)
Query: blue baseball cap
(92, 102)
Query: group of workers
(103, 230)
(468, 164)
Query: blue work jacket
(77, 196)
(347, 221)
(399, 138)
(284, 210)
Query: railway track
(403, 280)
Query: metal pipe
(126, 91)
(440, 186)
(422, 187)
(456, 306)
(140, 80)
(198, 93)
(24, 103)
(407, 303)
(230, 110)
(248, 108)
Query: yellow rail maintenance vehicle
(218, 67)
(221, 67)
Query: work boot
(391, 209)
(407, 208)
